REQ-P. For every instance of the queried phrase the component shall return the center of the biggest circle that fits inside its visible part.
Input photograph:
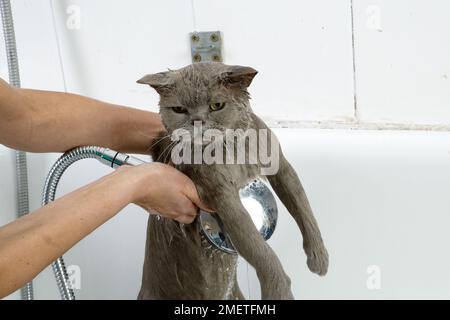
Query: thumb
(193, 196)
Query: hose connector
(116, 159)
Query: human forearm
(31, 243)
(43, 121)
(76, 120)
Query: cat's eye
(179, 109)
(216, 106)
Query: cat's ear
(162, 82)
(238, 76)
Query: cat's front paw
(317, 260)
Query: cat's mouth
(203, 137)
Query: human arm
(31, 243)
(45, 121)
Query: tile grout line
(355, 101)
(194, 18)
(58, 46)
(349, 125)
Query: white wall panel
(302, 50)
(36, 46)
(380, 198)
(120, 41)
(402, 60)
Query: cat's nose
(198, 120)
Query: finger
(186, 219)
(154, 212)
(193, 196)
(187, 207)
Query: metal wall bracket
(206, 46)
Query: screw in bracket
(197, 57)
(214, 37)
(195, 38)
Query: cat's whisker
(227, 150)
(152, 138)
(161, 155)
(157, 141)
(167, 151)
(147, 135)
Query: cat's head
(211, 92)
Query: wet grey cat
(179, 263)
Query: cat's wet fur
(179, 264)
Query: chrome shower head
(260, 203)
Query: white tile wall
(302, 50)
(402, 60)
(118, 42)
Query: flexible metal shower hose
(106, 156)
(21, 157)
(50, 186)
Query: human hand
(162, 188)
